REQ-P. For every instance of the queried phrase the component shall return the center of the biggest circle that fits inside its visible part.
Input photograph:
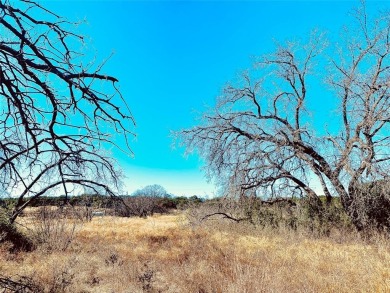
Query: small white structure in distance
(98, 213)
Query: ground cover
(165, 253)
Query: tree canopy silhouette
(59, 113)
(261, 139)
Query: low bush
(142, 206)
(9, 233)
(18, 240)
(316, 217)
(54, 229)
(370, 207)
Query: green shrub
(9, 233)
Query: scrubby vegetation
(218, 245)
(181, 252)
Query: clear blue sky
(173, 57)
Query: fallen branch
(23, 284)
(225, 216)
(278, 200)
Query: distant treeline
(100, 201)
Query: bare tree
(261, 139)
(144, 202)
(59, 115)
(154, 190)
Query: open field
(164, 253)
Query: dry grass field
(164, 253)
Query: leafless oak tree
(59, 116)
(143, 202)
(261, 139)
(154, 190)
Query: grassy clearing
(165, 254)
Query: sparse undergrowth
(13, 239)
(166, 254)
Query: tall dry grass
(165, 254)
